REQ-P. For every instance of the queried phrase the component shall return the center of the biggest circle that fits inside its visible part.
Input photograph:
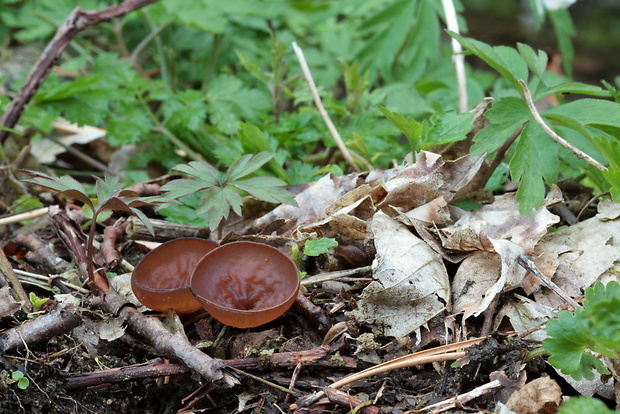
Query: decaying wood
(173, 345)
(59, 321)
(77, 21)
(163, 230)
(315, 313)
(157, 367)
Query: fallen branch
(77, 21)
(59, 321)
(173, 345)
(157, 367)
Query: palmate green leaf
(567, 345)
(602, 303)
(247, 164)
(536, 159)
(184, 187)
(216, 204)
(201, 170)
(268, 189)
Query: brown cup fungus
(161, 280)
(245, 284)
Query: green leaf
(412, 129)
(535, 160)
(228, 101)
(591, 112)
(65, 185)
(503, 59)
(267, 189)
(316, 247)
(567, 344)
(184, 187)
(37, 302)
(247, 164)
(506, 115)
(536, 62)
(581, 88)
(185, 110)
(216, 204)
(255, 141)
(449, 127)
(603, 322)
(582, 405)
(564, 30)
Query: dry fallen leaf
(501, 220)
(410, 284)
(585, 253)
(539, 396)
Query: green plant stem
(166, 132)
(535, 353)
(163, 65)
(215, 52)
(152, 35)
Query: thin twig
(441, 353)
(578, 153)
(26, 215)
(528, 265)
(317, 100)
(48, 280)
(77, 21)
(457, 53)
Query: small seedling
(316, 247)
(223, 190)
(22, 381)
(36, 301)
(110, 196)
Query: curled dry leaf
(501, 220)
(410, 284)
(540, 396)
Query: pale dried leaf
(526, 315)
(312, 201)
(585, 252)
(473, 280)
(8, 305)
(111, 329)
(501, 220)
(410, 284)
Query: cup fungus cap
(161, 280)
(245, 284)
